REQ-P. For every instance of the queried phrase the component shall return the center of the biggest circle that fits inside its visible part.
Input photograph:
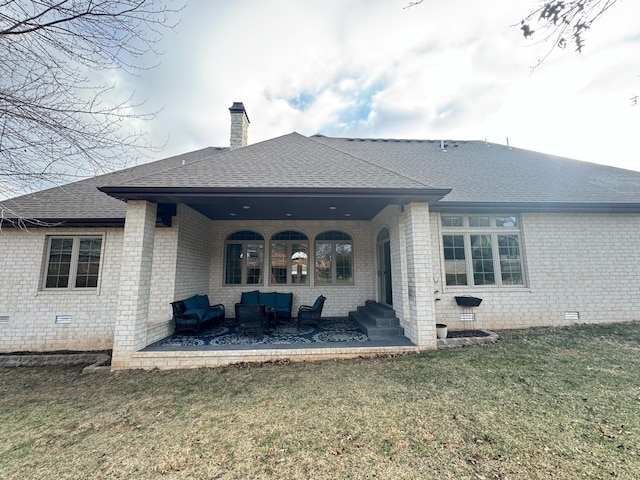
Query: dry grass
(547, 403)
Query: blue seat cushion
(268, 299)
(213, 313)
(250, 297)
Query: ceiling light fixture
(246, 207)
(332, 208)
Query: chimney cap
(238, 107)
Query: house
(413, 224)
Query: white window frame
(73, 267)
(289, 244)
(493, 231)
(333, 259)
(244, 272)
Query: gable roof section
(289, 162)
(286, 177)
(486, 175)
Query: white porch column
(130, 333)
(421, 315)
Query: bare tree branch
(562, 23)
(60, 117)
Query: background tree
(58, 60)
(563, 23)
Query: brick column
(130, 333)
(422, 315)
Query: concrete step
(373, 319)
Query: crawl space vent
(4, 320)
(572, 316)
(63, 318)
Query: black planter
(467, 301)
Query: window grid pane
(343, 263)
(454, 260)
(507, 222)
(323, 264)
(88, 263)
(279, 263)
(233, 268)
(479, 221)
(59, 267)
(482, 260)
(254, 263)
(510, 263)
(451, 221)
(299, 263)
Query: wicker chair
(311, 312)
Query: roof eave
(500, 207)
(396, 195)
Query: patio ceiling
(283, 204)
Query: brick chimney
(239, 126)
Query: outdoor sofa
(195, 312)
(277, 302)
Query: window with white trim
(244, 258)
(334, 259)
(482, 250)
(289, 258)
(73, 262)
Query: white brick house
(543, 240)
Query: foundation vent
(62, 319)
(572, 316)
(4, 319)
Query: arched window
(334, 259)
(244, 258)
(289, 258)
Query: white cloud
(452, 69)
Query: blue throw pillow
(283, 301)
(268, 299)
(250, 297)
(203, 301)
(192, 303)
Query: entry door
(384, 272)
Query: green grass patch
(542, 403)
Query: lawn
(542, 403)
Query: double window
(289, 258)
(482, 250)
(73, 262)
(244, 258)
(334, 259)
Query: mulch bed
(466, 333)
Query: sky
(444, 69)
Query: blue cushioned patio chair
(311, 312)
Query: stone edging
(468, 341)
(97, 361)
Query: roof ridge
(370, 162)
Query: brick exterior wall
(32, 310)
(575, 262)
(586, 263)
(135, 282)
(340, 299)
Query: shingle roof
(482, 172)
(477, 173)
(290, 161)
(83, 201)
